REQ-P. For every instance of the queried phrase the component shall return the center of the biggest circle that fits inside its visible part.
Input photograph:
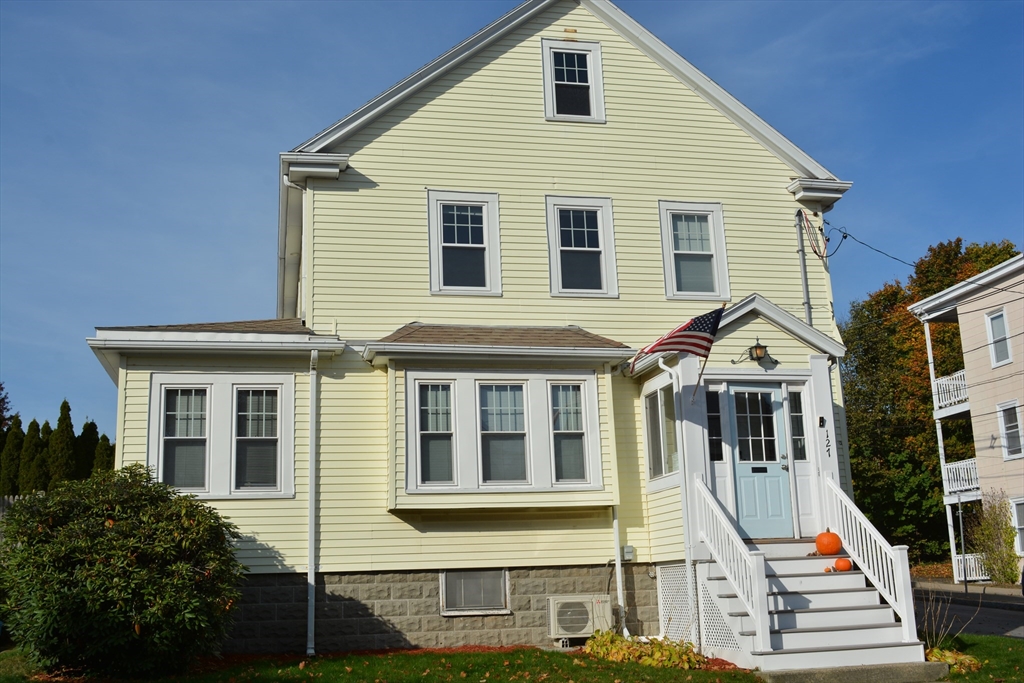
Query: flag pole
(701, 374)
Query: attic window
(572, 81)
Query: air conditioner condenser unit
(578, 616)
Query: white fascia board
(138, 341)
(375, 352)
(947, 300)
(713, 93)
(403, 89)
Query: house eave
(819, 191)
(379, 353)
(941, 307)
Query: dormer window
(572, 81)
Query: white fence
(742, 568)
(887, 567)
(6, 502)
(951, 389)
(970, 567)
(961, 476)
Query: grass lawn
(1002, 658)
(520, 665)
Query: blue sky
(139, 142)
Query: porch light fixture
(758, 352)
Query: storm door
(760, 457)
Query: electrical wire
(846, 233)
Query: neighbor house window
(1017, 508)
(477, 430)
(581, 247)
(1009, 427)
(223, 435)
(662, 442)
(573, 89)
(463, 238)
(999, 338)
(466, 592)
(693, 247)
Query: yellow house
(441, 439)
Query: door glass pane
(796, 425)
(755, 426)
(714, 426)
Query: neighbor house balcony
(951, 390)
(961, 477)
(970, 567)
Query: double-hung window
(223, 435)
(502, 431)
(1009, 428)
(573, 88)
(581, 247)
(662, 438)
(463, 239)
(693, 246)
(998, 338)
(1017, 508)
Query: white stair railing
(969, 567)
(961, 476)
(886, 566)
(743, 569)
(951, 389)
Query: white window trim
(593, 49)
(492, 245)
(445, 612)
(992, 341)
(1005, 405)
(466, 467)
(671, 479)
(609, 273)
(221, 391)
(720, 265)
(1017, 524)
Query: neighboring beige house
(440, 439)
(990, 389)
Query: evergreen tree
(85, 449)
(5, 406)
(62, 448)
(10, 457)
(104, 461)
(886, 385)
(31, 450)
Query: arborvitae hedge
(10, 458)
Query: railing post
(762, 636)
(905, 594)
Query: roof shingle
(500, 335)
(273, 326)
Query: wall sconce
(758, 352)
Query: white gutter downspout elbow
(311, 544)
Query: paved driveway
(987, 621)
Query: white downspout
(803, 265)
(618, 568)
(311, 543)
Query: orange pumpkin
(828, 543)
(843, 565)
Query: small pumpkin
(828, 543)
(843, 565)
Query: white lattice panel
(715, 632)
(674, 602)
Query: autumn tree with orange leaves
(893, 445)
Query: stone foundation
(375, 611)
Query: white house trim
(942, 306)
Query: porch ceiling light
(758, 352)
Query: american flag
(695, 336)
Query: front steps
(815, 618)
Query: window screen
(463, 252)
(567, 426)
(471, 591)
(692, 253)
(502, 432)
(256, 439)
(436, 433)
(572, 84)
(580, 249)
(185, 438)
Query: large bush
(117, 574)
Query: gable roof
(631, 31)
(941, 307)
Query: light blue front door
(760, 462)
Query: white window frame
(1018, 524)
(606, 231)
(489, 202)
(992, 341)
(668, 479)
(595, 74)
(1009, 405)
(467, 467)
(719, 262)
(454, 612)
(221, 427)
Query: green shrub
(117, 574)
(666, 654)
(991, 532)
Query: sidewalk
(999, 597)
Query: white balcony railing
(886, 566)
(951, 390)
(745, 570)
(960, 476)
(971, 565)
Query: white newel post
(760, 615)
(905, 594)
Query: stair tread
(816, 629)
(835, 648)
(813, 592)
(803, 557)
(798, 574)
(811, 610)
